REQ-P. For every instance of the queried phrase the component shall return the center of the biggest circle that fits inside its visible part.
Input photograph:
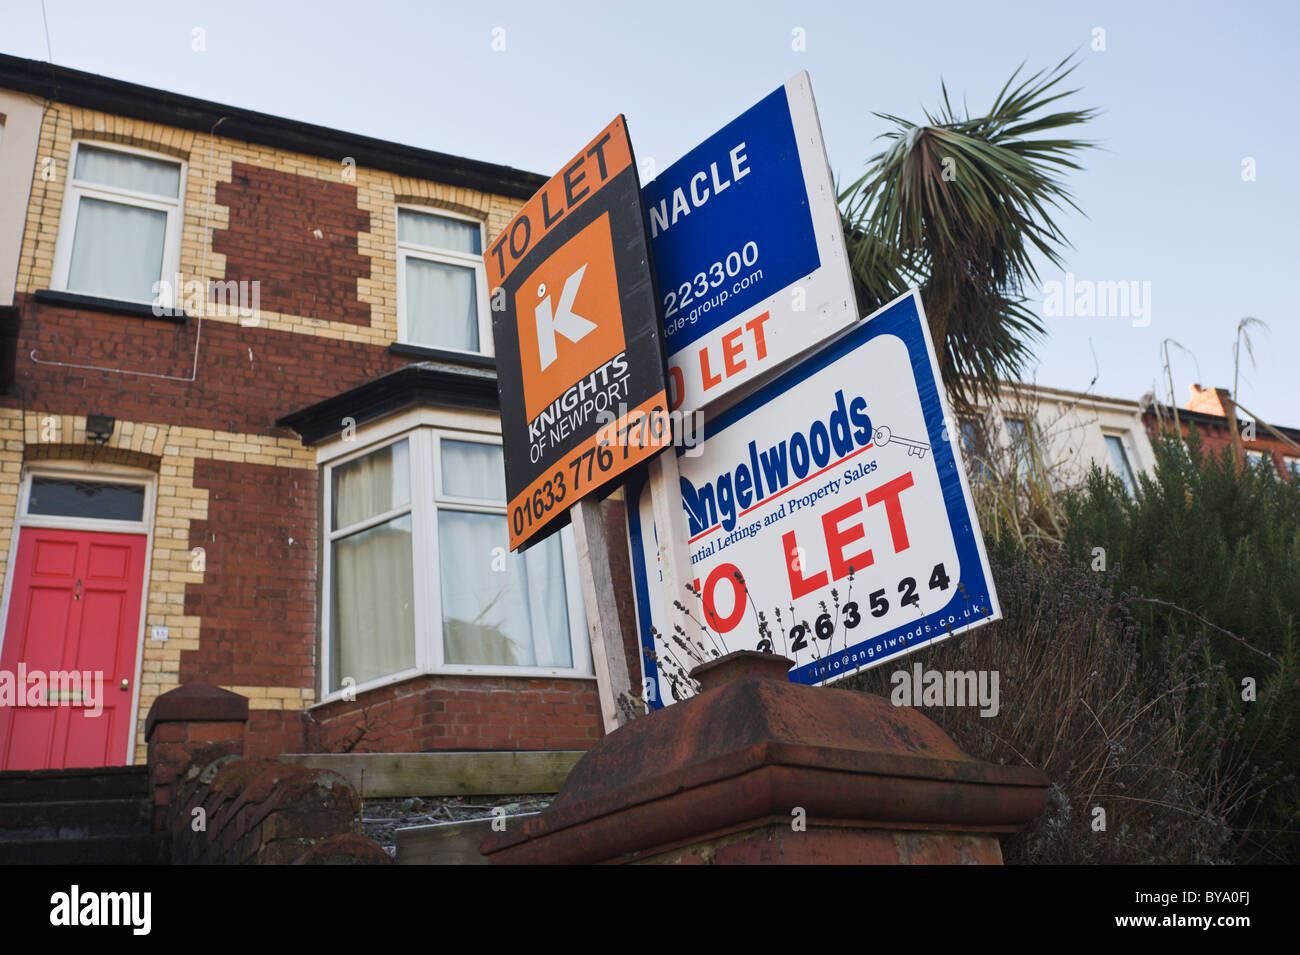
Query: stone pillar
(756, 769)
(194, 719)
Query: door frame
(81, 471)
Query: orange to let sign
(579, 340)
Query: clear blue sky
(1188, 91)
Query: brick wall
(257, 601)
(298, 237)
(461, 713)
(246, 378)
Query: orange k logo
(569, 318)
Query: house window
(1021, 439)
(372, 599)
(120, 233)
(442, 283)
(1292, 466)
(1119, 462)
(1255, 458)
(975, 449)
(418, 574)
(516, 615)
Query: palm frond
(960, 206)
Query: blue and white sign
(749, 249)
(831, 503)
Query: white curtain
(373, 613)
(497, 608)
(373, 630)
(439, 232)
(472, 469)
(128, 171)
(117, 251)
(441, 305)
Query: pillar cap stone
(196, 703)
(750, 747)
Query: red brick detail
(272, 732)
(247, 377)
(1209, 400)
(258, 597)
(461, 713)
(272, 239)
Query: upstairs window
(442, 299)
(1119, 462)
(975, 448)
(1021, 438)
(119, 237)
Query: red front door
(69, 652)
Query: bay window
(418, 577)
(119, 236)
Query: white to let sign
(748, 249)
(833, 500)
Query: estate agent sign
(833, 502)
(749, 249)
(578, 337)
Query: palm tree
(958, 206)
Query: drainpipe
(9, 322)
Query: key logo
(569, 317)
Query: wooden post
(674, 546)
(603, 630)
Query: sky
(1191, 188)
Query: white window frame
(91, 471)
(425, 432)
(75, 189)
(1126, 445)
(430, 253)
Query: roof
(92, 91)
(421, 383)
(1166, 413)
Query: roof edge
(93, 91)
(421, 383)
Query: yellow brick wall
(210, 161)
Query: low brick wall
(429, 713)
(232, 810)
(215, 806)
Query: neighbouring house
(248, 437)
(1213, 413)
(1061, 433)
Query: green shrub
(1075, 704)
(1206, 549)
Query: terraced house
(248, 437)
